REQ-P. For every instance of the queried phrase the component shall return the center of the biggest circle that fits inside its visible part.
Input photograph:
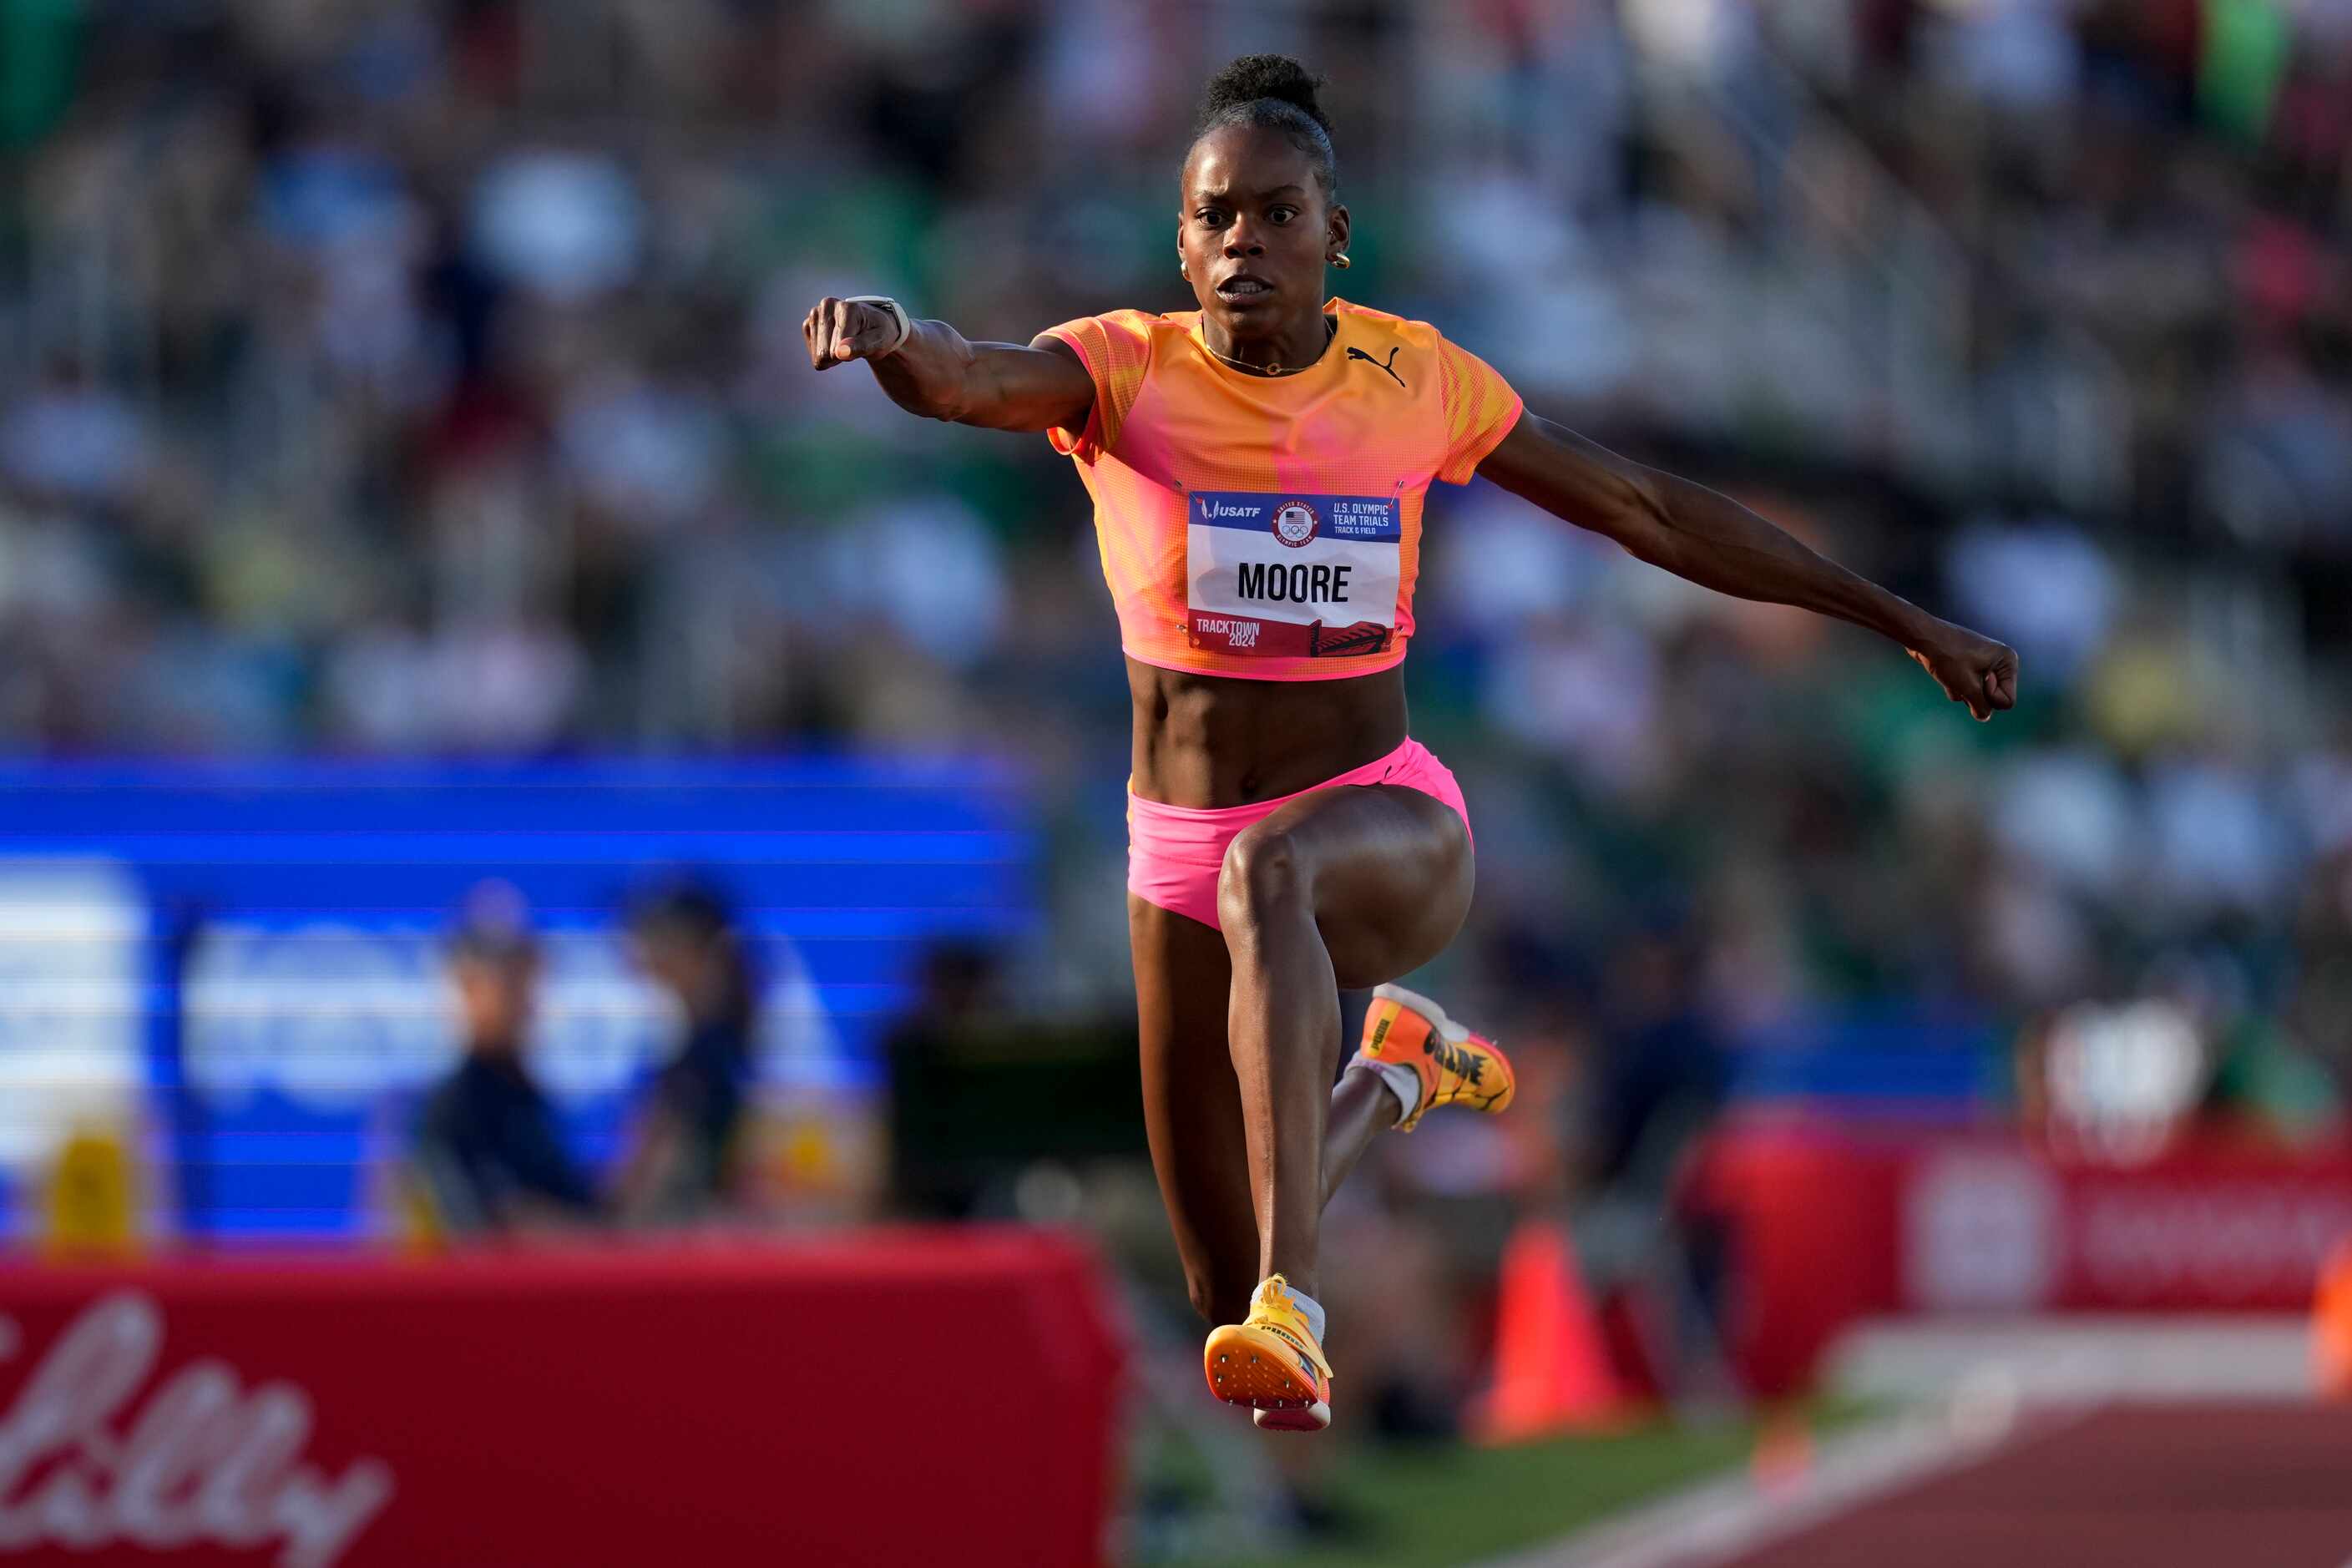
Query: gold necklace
(1331, 330)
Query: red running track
(2128, 1487)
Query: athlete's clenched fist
(839, 331)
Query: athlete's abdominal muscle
(1214, 740)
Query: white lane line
(1719, 1520)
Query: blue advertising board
(257, 949)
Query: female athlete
(1257, 468)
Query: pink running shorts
(1175, 852)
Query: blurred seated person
(939, 1168)
(682, 1163)
(486, 1146)
(1658, 1086)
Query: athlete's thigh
(1193, 1104)
(1389, 869)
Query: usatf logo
(1295, 523)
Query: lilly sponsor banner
(565, 1409)
(98, 1451)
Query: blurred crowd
(409, 377)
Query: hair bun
(1254, 77)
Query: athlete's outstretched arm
(1694, 533)
(940, 375)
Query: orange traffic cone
(1551, 1366)
(2332, 1327)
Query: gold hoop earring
(1341, 261)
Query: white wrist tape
(897, 314)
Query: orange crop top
(1269, 527)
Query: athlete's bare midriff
(1213, 741)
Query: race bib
(1291, 575)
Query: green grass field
(1442, 1506)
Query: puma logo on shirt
(1385, 366)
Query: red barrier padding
(1832, 1220)
(899, 1398)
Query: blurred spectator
(1663, 1074)
(487, 1143)
(957, 998)
(681, 1165)
(72, 441)
(565, 224)
(993, 1100)
(1655, 1094)
(2044, 585)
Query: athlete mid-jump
(1258, 467)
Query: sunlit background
(422, 543)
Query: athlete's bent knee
(1264, 872)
